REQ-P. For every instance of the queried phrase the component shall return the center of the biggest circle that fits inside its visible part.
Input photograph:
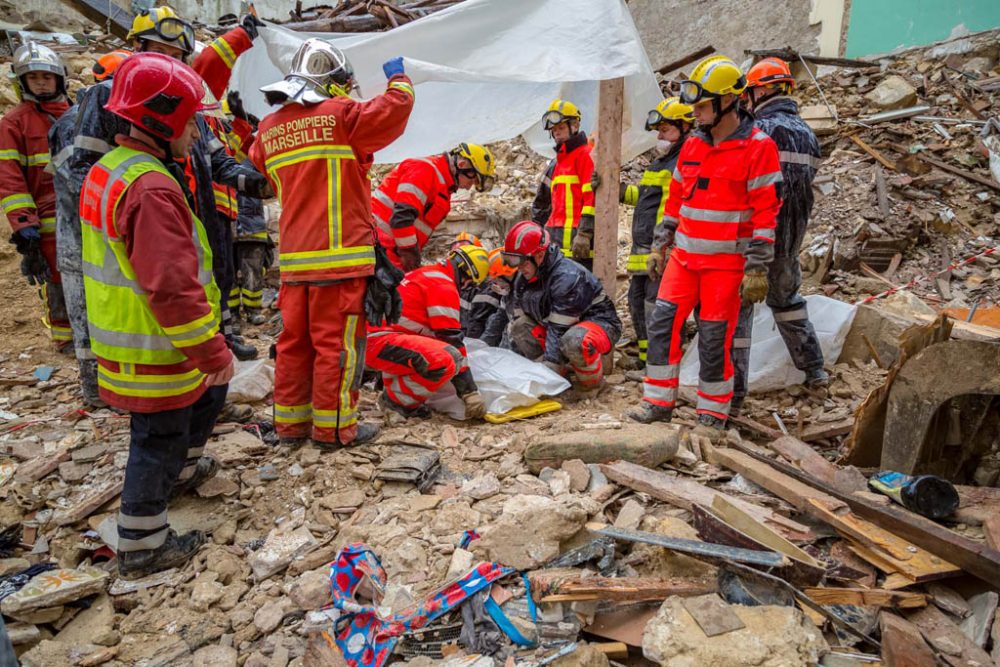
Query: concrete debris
(894, 92)
(772, 637)
(529, 531)
(55, 587)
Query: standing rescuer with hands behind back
(721, 210)
(153, 306)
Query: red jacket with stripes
(317, 159)
(425, 184)
(26, 193)
(572, 194)
(723, 202)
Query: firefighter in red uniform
(426, 348)
(26, 193)
(316, 151)
(565, 199)
(415, 197)
(153, 306)
(720, 217)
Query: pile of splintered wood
(361, 15)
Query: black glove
(257, 186)
(382, 300)
(236, 107)
(33, 265)
(250, 23)
(410, 257)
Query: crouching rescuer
(425, 349)
(153, 306)
(562, 317)
(720, 217)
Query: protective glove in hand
(393, 67)
(654, 265)
(475, 406)
(410, 257)
(250, 23)
(236, 107)
(753, 289)
(257, 186)
(382, 300)
(33, 265)
(581, 246)
(595, 181)
(24, 238)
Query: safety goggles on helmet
(553, 118)
(654, 119)
(483, 183)
(173, 32)
(692, 92)
(515, 259)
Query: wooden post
(607, 163)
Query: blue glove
(28, 234)
(393, 67)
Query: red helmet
(523, 240)
(156, 93)
(769, 71)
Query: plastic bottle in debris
(927, 495)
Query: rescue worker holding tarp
(769, 83)
(672, 120)
(322, 141)
(487, 318)
(153, 306)
(415, 198)
(563, 318)
(564, 202)
(83, 139)
(27, 196)
(426, 349)
(720, 217)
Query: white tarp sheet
(486, 70)
(771, 366)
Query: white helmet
(319, 71)
(33, 57)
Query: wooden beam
(892, 552)
(607, 163)
(968, 175)
(867, 597)
(619, 589)
(888, 164)
(108, 14)
(684, 61)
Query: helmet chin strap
(758, 101)
(719, 111)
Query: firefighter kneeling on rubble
(720, 218)
(153, 306)
(426, 348)
(563, 318)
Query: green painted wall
(879, 26)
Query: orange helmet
(108, 63)
(769, 71)
(498, 267)
(466, 238)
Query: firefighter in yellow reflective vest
(564, 202)
(153, 306)
(671, 120)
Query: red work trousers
(413, 367)
(583, 345)
(321, 351)
(56, 315)
(717, 293)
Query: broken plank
(888, 164)
(685, 493)
(618, 589)
(991, 531)
(902, 643)
(904, 557)
(968, 175)
(867, 597)
(88, 504)
(695, 548)
(805, 457)
(947, 637)
(823, 432)
(684, 61)
(734, 516)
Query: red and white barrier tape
(930, 276)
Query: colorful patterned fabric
(365, 637)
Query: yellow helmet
(483, 164)
(713, 77)
(161, 24)
(473, 260)
(670, 109)
(560, 111)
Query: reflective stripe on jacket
(571, 192)
(27, 196)
(649, 198)
(317, 159)
(425, 184)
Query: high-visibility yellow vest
(122, 325)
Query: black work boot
(647, 413)
(419, 412)
(174, 552)
(711, 427)
(206, 468)
(256, 317)
(366, 433)
(293, 443)
(817, 379)
(241, 350)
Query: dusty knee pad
(572, 346)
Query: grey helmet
(319, 71)
(33, 57)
